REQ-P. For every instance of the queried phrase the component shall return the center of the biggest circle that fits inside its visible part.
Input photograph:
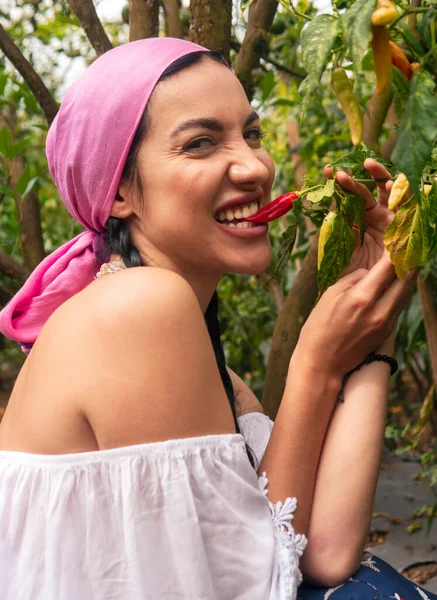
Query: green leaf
(327, 191)
(318, 40)
(311, 94)
(418, 130)
(19, 147)
(426, 411)
(355, 160)
(288, 240)
(401, 91)
(415, 47)
(25, 183)
(432, 515)
(354, 208)
(407, 238)
(6, 144)
(337, 254)
(352, 159)
(357, 29)
(267, 84)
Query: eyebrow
(213, 124)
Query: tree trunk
(143, 19)
(29, 219)
(255, 43)
(174, 25)
(87, 15)
(210, 25)
(297, 308)
(430, 321)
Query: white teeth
(232, 225)
(244, 225)
(238, 213)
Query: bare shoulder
(147, 370)
(245, 399)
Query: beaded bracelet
(369, 359)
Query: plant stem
(305, 191)
(409, 11)
(289, 6)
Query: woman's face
(202, 155)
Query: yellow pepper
(325, 232)
(344, 92)
(385, 13)
(398, 191)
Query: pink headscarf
(87, 146)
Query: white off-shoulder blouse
(183, 519)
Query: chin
(254, 267)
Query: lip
(252, 232)
(240, 200)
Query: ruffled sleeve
(289, 547)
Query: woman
(123, 473)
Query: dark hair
(118, 240)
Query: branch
(210, 25)
(174, 25)
(297, 307)
(12, 268)
(87, 15)
(430, 321)
(261, 15)
(143, 19)
(237, 47)
(30, 76)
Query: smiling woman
(125, 470)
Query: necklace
(112, 266)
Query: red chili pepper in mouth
(273, 210)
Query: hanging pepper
(273, 210)
(344, 92)
(398, 191)
(385, 13)
(325, 232)
(400, 61)
(381, 58)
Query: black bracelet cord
(369, 359)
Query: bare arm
(369, 302)
(347, 474)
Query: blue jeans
(374, 580)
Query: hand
(352, 318)
(378, 217)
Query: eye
(254, 136)
(199, 144)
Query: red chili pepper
(400, 61)
(273, 210)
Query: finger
(378, 279)
(327, 172)
(398, 294)
(354, 187)
(380, 175)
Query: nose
(247, 168)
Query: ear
(123, 204)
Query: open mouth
(231, 217)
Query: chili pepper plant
(335, 49)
